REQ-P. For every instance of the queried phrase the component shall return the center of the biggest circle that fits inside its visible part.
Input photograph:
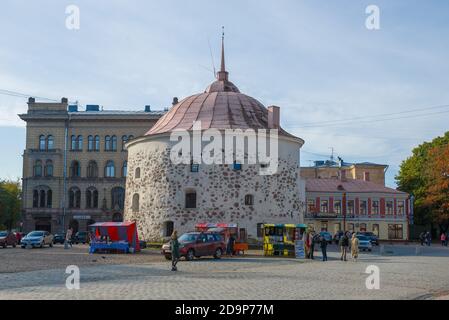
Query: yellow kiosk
(283, 239)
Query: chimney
(147, 108)
(274, 117)
(31, 100)
(175, 101)
(64, 101)
(366, 176)
(343, 175)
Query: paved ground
(403, 276)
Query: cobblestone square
(40, 274)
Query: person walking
(443, 239)
(323, 245)
(354, 247)
(174, 248)
(313, 240)
(230, 245)
(68, 239)
(428, 238)
(344, 243)
(422, 236)
(307, 241)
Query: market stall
(226, 230)
(114, 237)
(283, 239)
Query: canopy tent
(118, 231)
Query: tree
(437, 191)
(10, 197)
(416, 178)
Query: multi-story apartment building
(330, 169)
(356, 205)
(75, 163)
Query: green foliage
(414, 178)
(10, 198)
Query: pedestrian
(174, 248)
(307, 243)
(354, 247)
(323, 245)
(421, 238)
(344, 243)
(68, 238)
(443, 239)
(313, 240)
(230, 245)
(428, 238)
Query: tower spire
(222, 74)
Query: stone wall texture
(220, 192)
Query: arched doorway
(117, 217)
(74, 224)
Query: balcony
(46, 151)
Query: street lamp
(344, 211)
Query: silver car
(37, 239)
(364, 243)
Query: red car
(8, 239)
(197, 244)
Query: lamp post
(344, 211)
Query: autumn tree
(416, 178)
(437, 188)
(10, 196)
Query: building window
(389, 205)
(194, 167)
(337, 206)
(237, 166)
(350, 207)
(310, 205)
(135, 204)
(114, 143)
(191, 199)
(50, 142)
(107, 143)
(376, 229)
(74, 198)
(79, 141)
(109, 170)
(42, 143)
(49, 168)
(363, 207)
(38, 168)
(125, 169)
(124, 141)
(324, 207)
(137, 173)
(401, 207)
(42, 199)
(97, 143)
(73, 144)
(91, 198)
(395, 232)
(35, 198)
(249, 200)
(92, 169)
(90, 143)
(168, 228)
(118, 198)
(324, 226)
(351, 227)
(49, 199)
(375, 207)
(362, 227)
(75, 169)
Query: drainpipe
(64, 197)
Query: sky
(315, 59)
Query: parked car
(374, 239)
(81, 237)
(197, 244)
(59, 238)
(37, 239)
(364, 243)
(327, 236)
(8, 239)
